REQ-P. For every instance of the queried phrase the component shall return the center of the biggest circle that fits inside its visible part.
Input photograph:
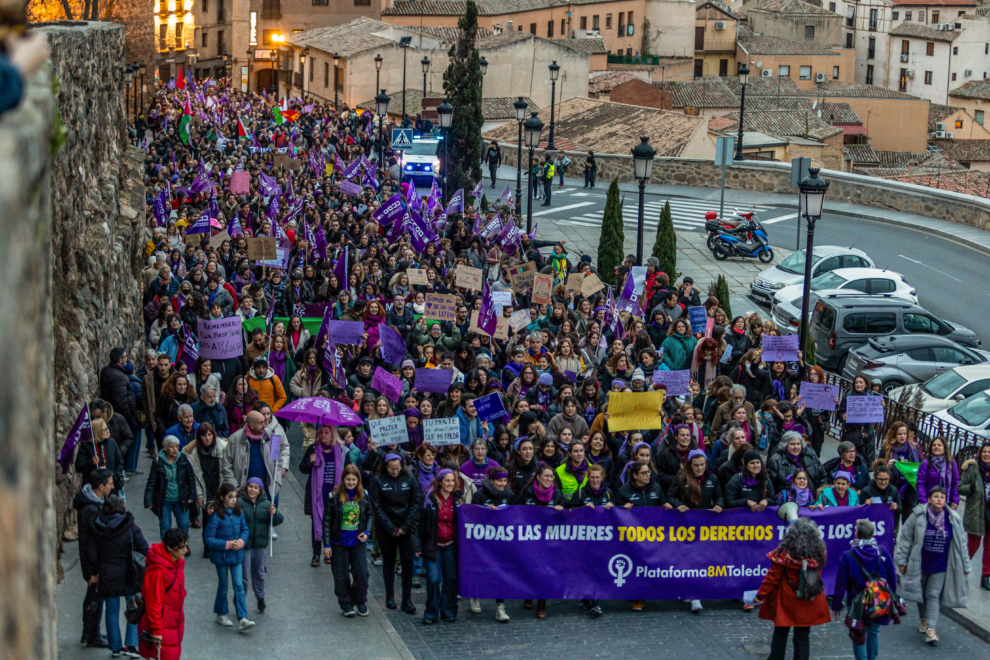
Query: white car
(421, 162)
(790, 271)
(947, 388)
(971, 415)
(785, 304)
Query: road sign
(724, 148)
(402, 138)
(799, 170)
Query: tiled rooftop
(607, 81)
(974, 89)
(594, 45)
(833, 113)
(862, 154)
(965, 151)
(762, 44)
(926, 32)
(937, 113)
(798, 123)
(787, 7)
(703, 93)
(347, 39)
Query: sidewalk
(302, 617)
(977, 239)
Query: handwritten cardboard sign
(542, 288)
(678, 382)
(519, 320)
(440, 307)
(591, 285)
(240, 182)
(521, 276)
(468, 277)
(501, 330)
(389, 431)
(697, 316)
(628, 411)
(573, 283)
(387, 384)
(436, 381)
(490, 407)
(220, 339)
(417, 276)
(262, 248)
(218, 240)
(442, 432)
(780, 349)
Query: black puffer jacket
(584, 497)
(154, 492)
(780, 467)
(487, 495)
(528, 497)
(115, 389)
(737, 494)
(115, 537)
(87, 508)
(333, 516)
(289, 299)
(711, 493)
(668, 465)
(649, 495)
(396, 501)
(109, 457)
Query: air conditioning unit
(950, 27)
(968, 72)
(940, 126)
(767, 73)
(940, 26)
(820, 77)
(719, 25)
(950, 135)
(940, 134)
(909, 73)
(904, 57)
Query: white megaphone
(788, 511)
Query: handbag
(810, 583)
(136, 608)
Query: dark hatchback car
(908, 359)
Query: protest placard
(573, 284)
(389, 430)
(261, 248)
(217, 241)
(294, 164)
(697, 318)
(280, 261)
(468, 277)
(678, 382)
(440, 307)
(629, 411)
(220, 339)
(817, 396)
(346, 332)
(442, 432)
(521, 276)
(490, 407)
(501, 299)
(387, 384)
(393, 346)
(519, 320)
(501, 330)
(276, 448)
(542, 288)
(436, 381)
(864, 409)
(240, 182)
(417, 276)
(591, 285)
(780, 349)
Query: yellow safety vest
(549, 170)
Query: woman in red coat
(164, 593)
(777, 595)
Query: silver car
(791, 270)
(900, 360)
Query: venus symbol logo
(619, 567)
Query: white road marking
(932, 267)
(562, 208)
(771, 221)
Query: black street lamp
(642, 155)
(743, 79)
(534, 127)
(521, 107)
(425, 62)
(381, 105)
(250, 54)
(273, 54)
(141, 70)
(378, 70)
(483, 65)
(336, 63)
(812, 190)
(554, 74)
(404, 43)
(446, 112)
(128, 74)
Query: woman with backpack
(865, 564)
(783, 598)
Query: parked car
(852, 281)
(839, 324)
(947, 388)
(908, 359)
(971, 415)
(790, 271)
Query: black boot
(390, 601)
(985, 582)
(407, 606)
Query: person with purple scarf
(478, 465)
(939, 469)
(395, 500)
(572, 474)
(975, 486)
(414, 427)
(898, 445)
(436, 543)
(797, 489)
(324, 462)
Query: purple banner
(387, 384)
(436, 381)
(348, 188)
(346, 332)
(490, 407)
(529, 552)
(393, 346)
(82, 431)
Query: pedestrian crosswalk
(686, 214)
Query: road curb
(967, 622)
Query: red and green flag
(184, 123)
(283, 116)
(241, 131)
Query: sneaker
(377, 561)
(417, 584)
(261, 605)
(132, 651)
(696, 606)
(747, 607)
(244, 624)
(985, 583)
(349, 610)
(637, 606)
(931, 637)
(500, 614)
(362, 610)
(117, 654)
(923, 626)
(475, 606)
(595, 611)
(224, 621)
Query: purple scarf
(937, 520)
(579, 471)
(942, 466)
(544, 495)
(277, 362)
(749, 481)
(317, 496)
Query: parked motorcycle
(748, 240)
(714, 227)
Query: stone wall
(98, 226)
(27, 525)
(775, 178)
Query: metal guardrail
(964, 444)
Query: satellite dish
(819, 114)
(814, 105)
(759, 64)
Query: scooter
(714, 227)
(750, 240)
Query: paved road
(938, 267)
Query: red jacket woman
(164, 595)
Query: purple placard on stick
(387, 384)
(348, 188)
(346, 332)
(678, 382)
(817, 396)
(780, 349)
(276, 448)
(436, 381)
(490, 407)
(864, 409)
(316, 310)
(571, 376)
(393, 347)
(220, 339)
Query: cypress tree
(610, 245)
(484, 203)
(722, 293)
(665, 247)
(810, 357)
(462, 86)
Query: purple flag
(82, 431)
(393, 346)
(338, 164)
(200, 183)
(415, 203)
(493, 227)
(273, 206)
(487, 319)
(479, 225)
(420, 235)
(332, 363)
(390, 211)
(191, 82)
(506, 192)
(532, 234)
(201, 226)
(513, 240)
(351, 170)
(190, 351)
(321, 242)
(340, 270)
(323, 326)
(477, 192)
(348, 188)
(267, 184)
(234, 228)
(369, 180)
(160, 208)
(612, 316)
(397, 229)
(213, 207)
(456, 203)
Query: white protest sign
(389, 431)
(442, 432)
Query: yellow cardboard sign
(635, 411)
